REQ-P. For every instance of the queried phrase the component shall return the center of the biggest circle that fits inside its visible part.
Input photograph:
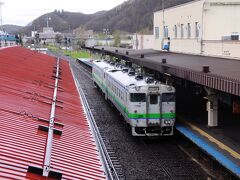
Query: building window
(197, 29)
(165, 30)
(182, 31)
(175, 31)
(189, 30)
(156, 32)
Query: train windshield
(168, 97)
(138, 97)
(153, 99)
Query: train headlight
(137, 88)
(169, 88)
(167, 122)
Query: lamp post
(106, 32)
(1, 4)
(48, 19)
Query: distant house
(125, 41)
(99, 42)
(6, 39)
(82, 34)
(207, 27)
(48, 35)
(90, 42)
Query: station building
(207, 27)
(6, 39)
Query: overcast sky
(22, 12)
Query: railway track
(134, 158)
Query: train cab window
(153, 99)
(168, 97)
(138, 97)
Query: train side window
(138, 97)
(153, 99)
(168, 97)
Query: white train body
(149, 107)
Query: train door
(153, 110)
(168, 109)
(104, 83)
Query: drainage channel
(108, 164)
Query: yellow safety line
(212, 139)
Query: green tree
(80, 43)
(58, 38)
(117, 38)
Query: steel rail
(107, 162)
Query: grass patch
(72, 54)
(52, 48)
(77, 54)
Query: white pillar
(212, 108)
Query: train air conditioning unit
(139, 77)
(131, 72)
(149, 80)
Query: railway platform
(45, 133)
(220, 141)
(213, 142)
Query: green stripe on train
(124, 109)
(151, 116)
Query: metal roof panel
(26, 90)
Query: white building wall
(216, 19)
(179, 16)
(221, 19)
(227, 49)
(157, 21)
(143, 41)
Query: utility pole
(48, 18)
(106, 32)
(136, 40)
(1, 4)
(136, 30)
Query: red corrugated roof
(26, 90)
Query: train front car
(168, 109)
(151, 109)
(147, 105)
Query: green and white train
(147, 105)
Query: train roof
(122, 77)
(103, 65)
(125, 79)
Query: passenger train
(147, 105)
